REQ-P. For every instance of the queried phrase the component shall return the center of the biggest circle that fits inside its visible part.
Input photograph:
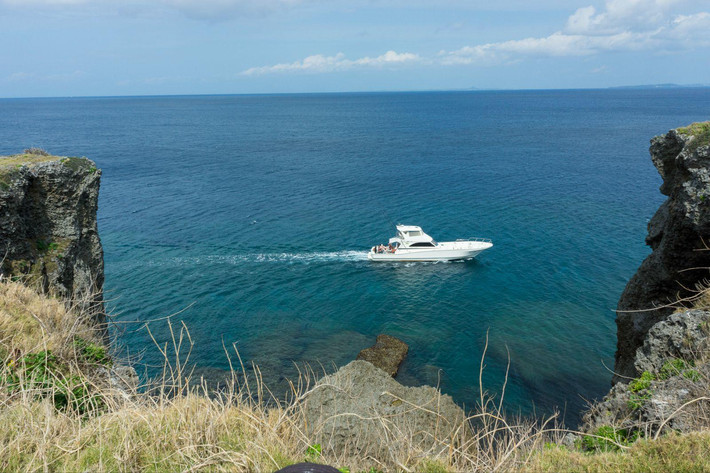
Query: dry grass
(674, 453)
(700, 132)
(25, 159)
(174, 423)
(698, 298)
(30, 322)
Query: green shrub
(636, 401)
(693, 375)
(674, 367)
(314, 451)
(607, 439)
(45, 375)
(91, 352)
(641, 383)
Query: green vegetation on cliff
(700, 132)
(10, 165)
(25, 159)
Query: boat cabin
(411, 236)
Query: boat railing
(482, 240)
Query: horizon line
(665, 86)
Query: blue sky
(139, 47)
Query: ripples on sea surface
(255, 212)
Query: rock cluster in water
(679, 234)
(48, 229)
(387, 354)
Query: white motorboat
(412, 244)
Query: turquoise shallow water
(255, 213)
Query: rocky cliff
(48, 230)
(671, 392)
(679, 234)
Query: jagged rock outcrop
(360, 409)
(678, 233)
(669, 394)
(48, 229)
(683, 335)
(387, 354)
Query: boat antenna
(389, 217)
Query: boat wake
(317, 257)
(255, 258)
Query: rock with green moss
(683, 337)
(48, 228)
(674, 379)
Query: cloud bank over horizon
(623, 25)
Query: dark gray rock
(387, 354)
(48, 229)
(613, 410)
(680, 228)
(361, 410)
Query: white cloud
(619, 16)
(321, 63)
(557, 44)
(691, 30)
(623, 25)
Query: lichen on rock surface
(679, 234)
(48, 228)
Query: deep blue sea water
(255, 212)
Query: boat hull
(448, 251)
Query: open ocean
(254, 212)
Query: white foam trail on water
(316, 257)
(285, 257)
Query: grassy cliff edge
(66, 415)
